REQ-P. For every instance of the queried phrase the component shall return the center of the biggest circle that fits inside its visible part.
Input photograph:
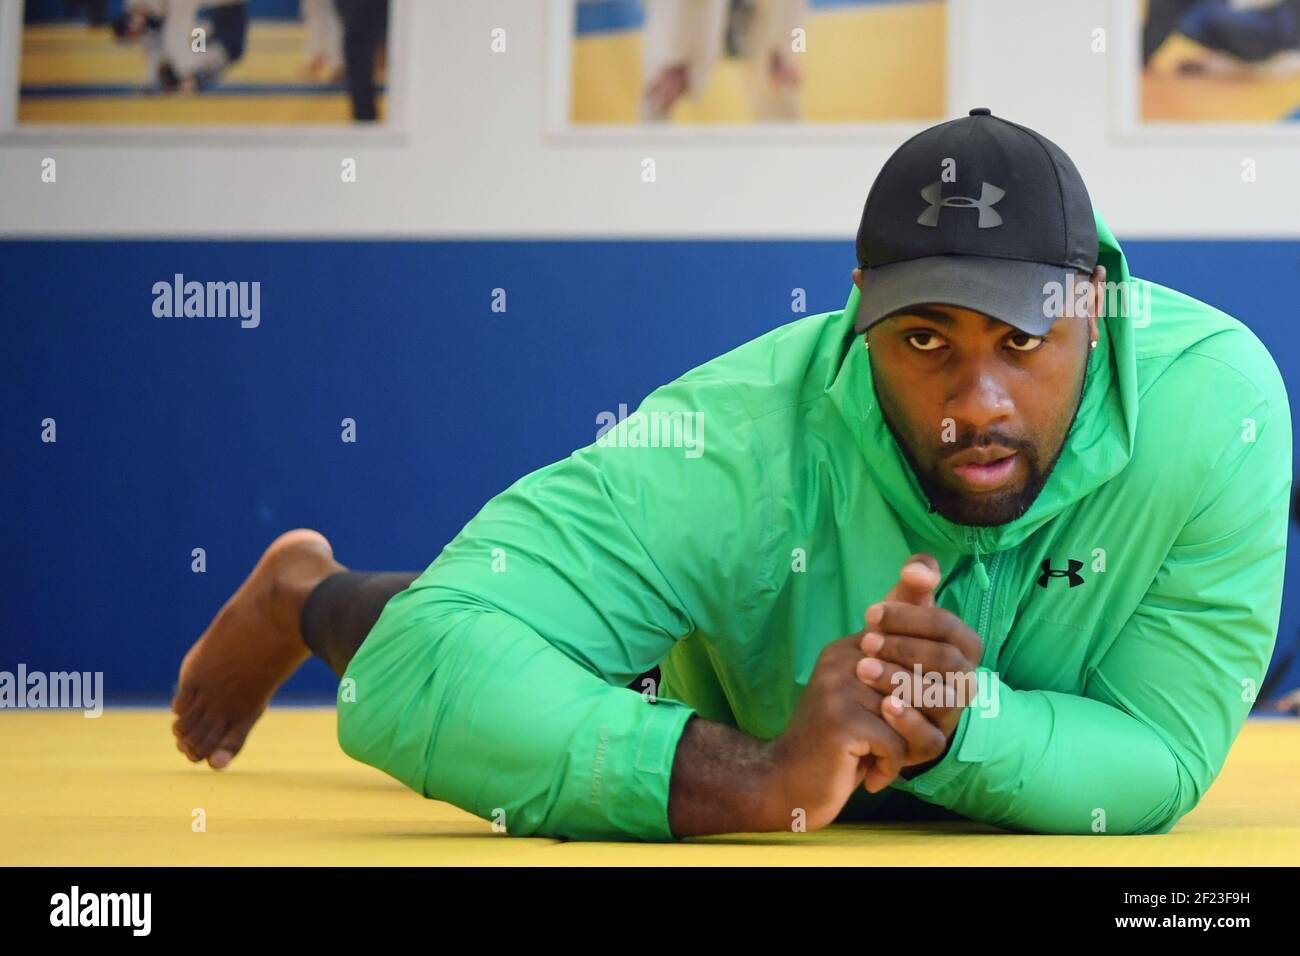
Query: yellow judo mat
(1250, 96)
(114, 791)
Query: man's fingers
(884, 751)
(938, 699)
(931, 623)
(877, 777)
(916, 581)
(882, 746)
(879, 766)
(925, 741)
(910, 652)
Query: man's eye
(924, 341)
(1024, 342)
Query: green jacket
(496, 682)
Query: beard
(995, 508)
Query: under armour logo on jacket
(989, 195)
(1071, 572)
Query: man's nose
(979, 399)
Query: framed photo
(200, 68)
(699, 69)
(1207, 69)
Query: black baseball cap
(978, 212)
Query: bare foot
(666, 89)
(251, 647)
(783, 71)
(1289, 703)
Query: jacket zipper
(986, 605)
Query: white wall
(475, 158)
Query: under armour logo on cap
(1023, 220)
(1071, 572)
(989, 195)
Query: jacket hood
(1098, 447)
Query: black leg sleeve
(364, 23)
(1162, 19)
(343, 608)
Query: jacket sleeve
(497, 681)
(1152, 728)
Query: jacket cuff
(636, 800)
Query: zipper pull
(981, 573)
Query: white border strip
(11, 45)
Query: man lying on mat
(1059, 492)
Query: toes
(187, 723)
(183, 699)
(183, 742)
(204, 737)
(230, 744)
(184, 748)
(221, 758)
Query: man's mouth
(987, 476)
